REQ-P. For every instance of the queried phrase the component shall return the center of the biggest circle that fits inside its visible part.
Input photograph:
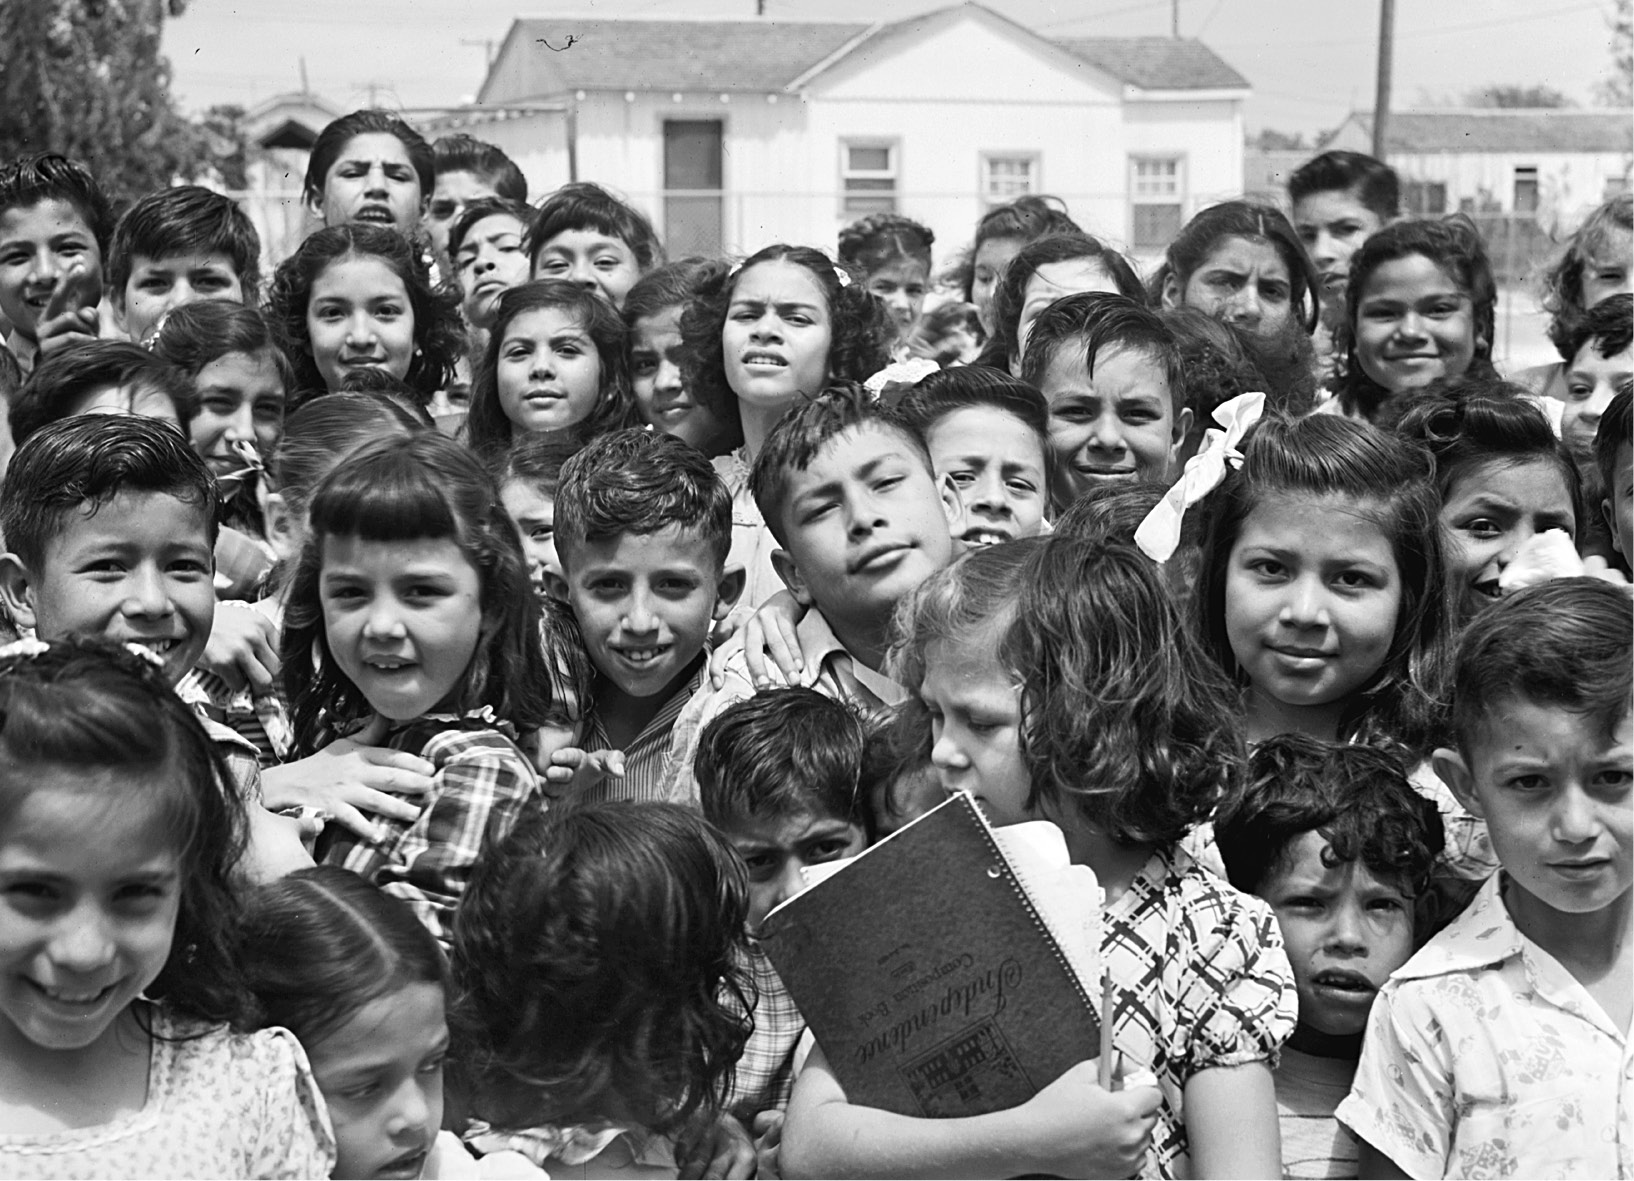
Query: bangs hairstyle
(28, 180)
(598, 953)
(74, 467)
(880, 239)
(200, 333)
(425, 486)
(1011, 293)
(1257, 223)
(1357, 798)
(582, 205)
(63, 380)
(1123, 715)
(481, 210)
(1562, 645)
(1387, 480)
(487, 429)
(784, 753)
(439, 335)
(322, 944)
(332, 141)
(1609, 325)
(1596, 239)
(671, 286)
(323, 432)
(1472, 422)
(188, 219)
(96, 709)
(801, 434)
(1373, 182)
(860, 329)
(1025, 219)
(465, 153)
(639, 482)
(1614, 434)
(1097, 321)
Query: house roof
(1504, 130)
(640, 53)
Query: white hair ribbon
(1159, 534)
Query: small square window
(868, 177)
(1008, 176)
(1157, 201)
(1526, 190)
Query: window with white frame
(1008, 175)
(868, 176)
(1157, 197)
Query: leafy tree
(1512, 95)
(1617, 88)
(1272, 140)
(85, 78)
(222, 128)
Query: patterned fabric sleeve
(1235, 1000)
(285, 1123)
(1401, 1101)
(479, 787)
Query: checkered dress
(765, 1074)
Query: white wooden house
(735, 133)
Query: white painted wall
(1569, 183)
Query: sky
(1309, 61)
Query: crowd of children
(424, 672)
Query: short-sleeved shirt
(1201, 980)
(218, 1105)
(1484, 1057)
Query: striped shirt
(649, 761)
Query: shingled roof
(1501, 130)
(1157, 63)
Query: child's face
(901, 285)
(1312, 592)
(997, 465)
(157, 285)
(90, 888)
(1489, 513)
(1242, 281)
(866, 523)
(549, 373)
(591, 259)
(1618, 506)
(987, 269)
(490, 262)
(1053, 281)
(359, 317)
(1414, 325)
(137, 570)
(1591, 383)
(1554, 790)
(655, 375)
(776, 336)
(403, 619)
(381, 1074)
(975, 710)
(373, 182)
(534, 515)
(1333, 224)
(450, 194)
(41, 245)
(1116, 427)
(776, 848)
(1345, 930)
(241, 400)
(1606, 271)
(645, 603)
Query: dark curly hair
(439, 334)
(880, 239)
(860, 329)
(598, 954)
(1027, 218)
(1003, 350)
(1563, 283)
(105, 714)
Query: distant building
(736, 133)
(280, 133)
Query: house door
(693, 201)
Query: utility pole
(1381, 95)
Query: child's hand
(242, 649)
(573, 770)
(719, 1149)
(70, 315)
(771, 632)
(768, 1133)
(351, 777)
(1084, 1130)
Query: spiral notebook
(951, 969)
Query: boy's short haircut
(802, 433)
(1609, 324)
(1357, 797)
(783, 753)
(466, 153)
(90, 459)
(1374, 182)
(939, 394)
(1614, 434)
(639, 481)
(671, 285)
(536, 459)
(28, 180)
(484, 207)
(1567, 644)
(188, 219)
(62, 379)
(581, 205)
(1099, 320)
